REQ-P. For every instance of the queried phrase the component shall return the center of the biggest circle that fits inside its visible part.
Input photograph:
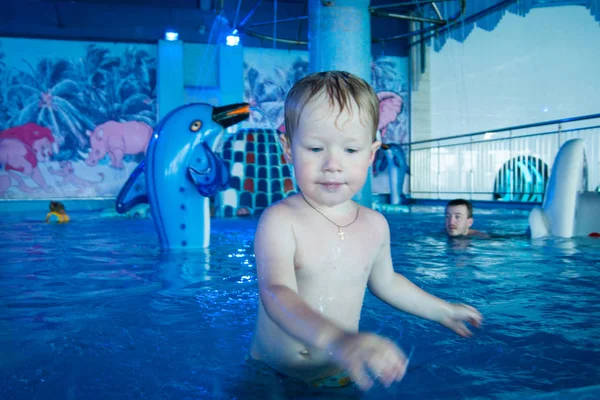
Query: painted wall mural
(75, 117)
(390, 81)
(269, 74)
(260, 175)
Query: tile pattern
(260, 175)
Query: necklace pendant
(341, 233)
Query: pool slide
(569, 209)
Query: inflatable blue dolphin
(181, 171)
(397, 172)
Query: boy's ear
(374, 147)
(287, 148)
(470, 221)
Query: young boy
(459, 218)
(318, 250)
(57, 212)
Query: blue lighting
(233, 39)
(171, 35)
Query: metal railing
(510, 164)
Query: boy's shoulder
(374, 216)
(375, 225)
(284, 208)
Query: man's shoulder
(479, 234)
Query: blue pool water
(94, 310)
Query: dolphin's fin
(400, 158)
(134, 190)
(210, 180)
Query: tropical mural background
(269, 74)
(53, 97)
(75, 117)
(389, 78)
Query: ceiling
(194, 20)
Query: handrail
(515, 163)
(512, 128)
(503, 138)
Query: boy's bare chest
(325, 254)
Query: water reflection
(97, 310)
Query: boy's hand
(457, 315)
(366, 355)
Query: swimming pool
(94, 310)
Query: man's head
(330, 126)
(459, 217)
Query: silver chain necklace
(340, 231)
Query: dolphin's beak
(231, 114)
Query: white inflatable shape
(568, 209)
(538, 223)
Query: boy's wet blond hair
(340, 88)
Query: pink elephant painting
(117, 139)
(21, 148)
(390, 106)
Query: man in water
(459, 218)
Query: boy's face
(331, 152)
(458, 221)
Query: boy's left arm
(402, 294)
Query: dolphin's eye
(196, 125)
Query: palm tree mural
(267, 90)
(73, 93)
(138, 65)
(3, 91)
(131, 92)
(48, 96)
(71, 96)
(93, 71)
(125, 102)
(118, 88)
